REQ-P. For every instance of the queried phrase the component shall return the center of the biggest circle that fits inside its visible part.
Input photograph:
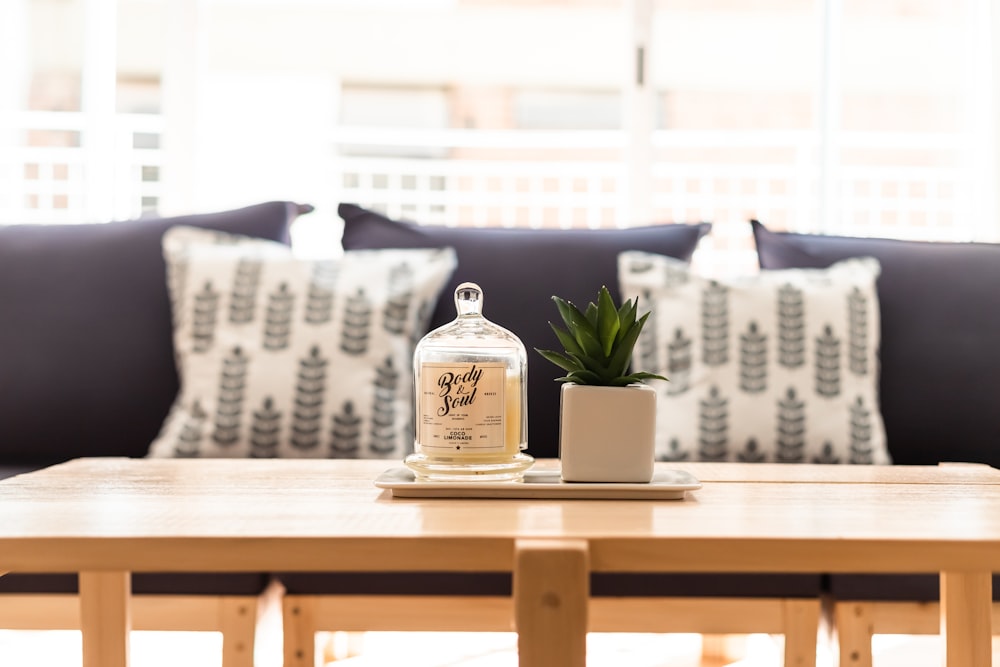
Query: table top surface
(195, 515)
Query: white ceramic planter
(607, 434)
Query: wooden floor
(169, 649)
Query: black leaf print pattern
(826, 455)
(861, 433)
(423, 318)
(791, 327)
(397, 306)
(189, 439)
(639, 266)
(857, 336)
(345, 435)
(648, 344)
(320, 295)
(229, 408)
(753, 360)
(828, 363)
(715, 324)
(679, 359)
(713, 427)
(265, 431)
(278, 319)
(310, 383)
(791, 440)
(674, 452)
(354, 337)
(751, 452)
(674, 276)
(204, 316)
(383, 432)
(243, 298)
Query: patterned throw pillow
(781, 366)
(939, 358)
(284, 357)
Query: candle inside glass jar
(470, 399)
(513, 436)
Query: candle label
(462, 408)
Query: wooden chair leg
(298, 620)
(340, 645)
(722, 648)
(239, 627)
(801, 621)
(854, 628)
(713, 647)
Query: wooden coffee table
(105, 518)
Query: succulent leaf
(567, 341)
(559, 360)
(583, 377)
(623, 354)
(598, 342)
(607, 321)
(588, 341)
(578, 325)
(639, 376)
(626, 315)
(588, 363)
(571, 315)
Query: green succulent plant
(598, 342)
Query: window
(846, 116)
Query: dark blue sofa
(92, 374)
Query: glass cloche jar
(471, 399)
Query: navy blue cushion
(520, 270)
(86, 353)
(396, 583)
(602, 584)
(756, 585)
(940, 358)
(892, 587)
(9, 470)
(143, 583)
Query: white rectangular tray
(666, 485)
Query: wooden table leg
(104, 618)
(800, 619)
(551, 591)
(966, 599)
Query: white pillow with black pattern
(280, 356)
(781, 366)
